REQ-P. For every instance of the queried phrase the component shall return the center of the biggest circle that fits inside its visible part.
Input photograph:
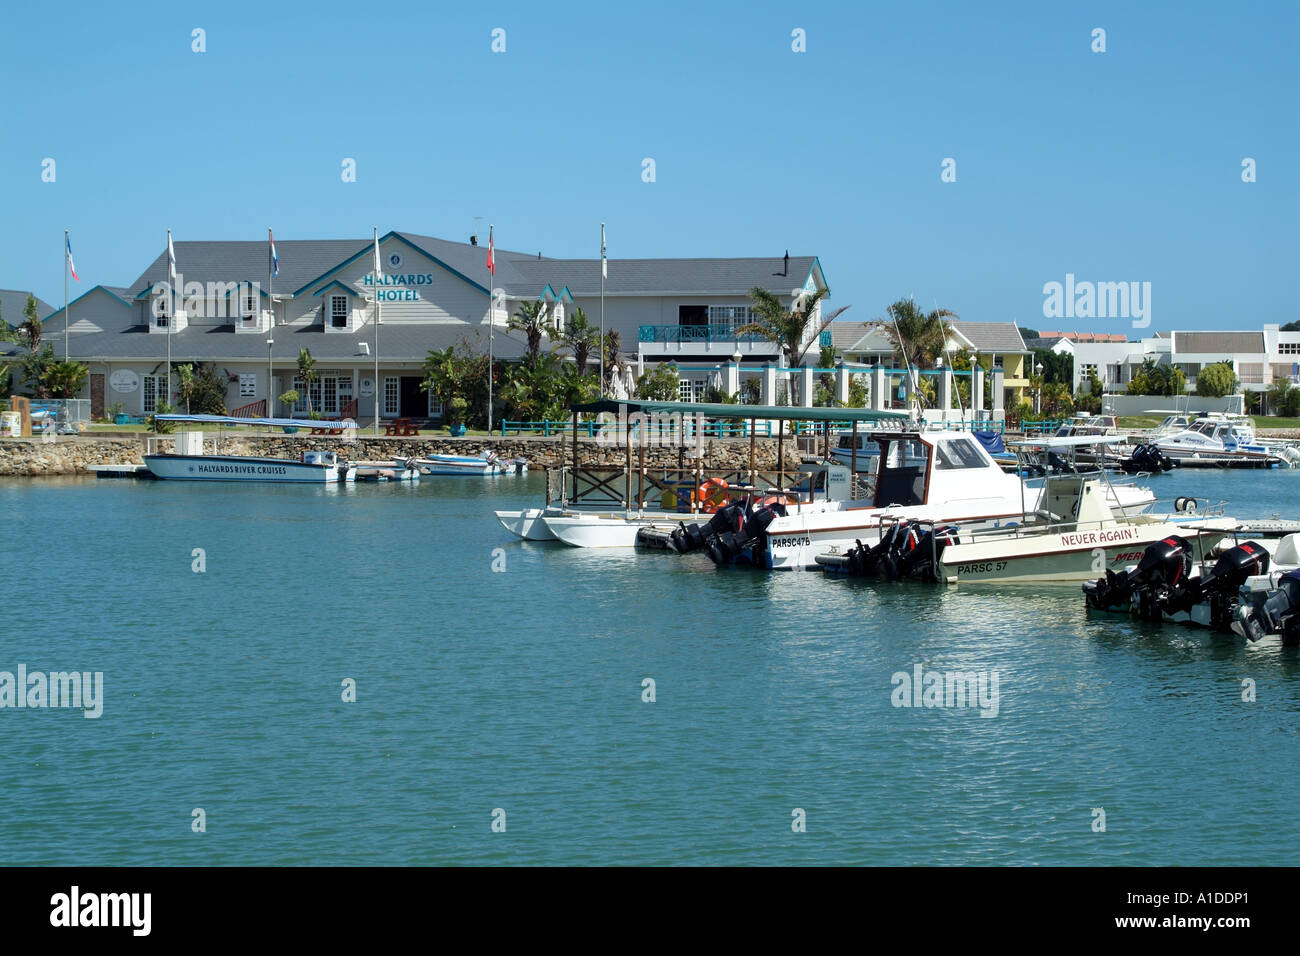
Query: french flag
(67, 245)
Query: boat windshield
(959, 453)
(901, 479)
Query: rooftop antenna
(473, 237)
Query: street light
(1039, 404)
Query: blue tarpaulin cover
(992, 442)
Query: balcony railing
(695, 333)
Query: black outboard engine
(692, 537)
(1278, 613)
(742, 546)
(921, 556)
(1148, 458)
(869, 561)
(1164, 568)
(1221, 584)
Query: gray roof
(986, 336)
(397, 342)
(303, 261)
(663, 276)
(1224, 342)
(12, 303)
(991, 336)
(847, 334)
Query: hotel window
(435, 407)
(730, 315)
(391, 393)
(1288, 348)
(160, 309)
(339, 311)
(155, 388)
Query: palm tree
(307, 373)
(578, 336)
(528, 320)
(920, 337)
(31, 329)
(788, 328)
(614, 361)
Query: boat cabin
(919, 468)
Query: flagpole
(602, 310)
(171, 318)
(66, 247)
(379, 311)
(491, 321)
(270, 332)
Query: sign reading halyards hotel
(400, 279)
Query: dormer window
(339, 311)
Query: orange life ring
(711, 495)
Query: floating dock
(122, 471)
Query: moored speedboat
(314, 466)
(486, 464)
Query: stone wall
(73, 455)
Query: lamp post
(1038, 370)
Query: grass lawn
(1139, 421)
(1268, 421)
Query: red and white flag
(491, 259)
(67, 245)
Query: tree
(528, 320)
(31, 328)
(307, 374)
(614, 360)
(203, 388)
(788, 328)
(920, 337)
(1057, 366)
(1217, 380)
(66, 379)
(662, 383)
(579, 337)
(1028, 333)
(461, 372)
(1291, 327)
(35, 368)
(1154, 378)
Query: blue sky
(1115, 166)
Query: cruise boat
(934, 476)
(189, 460)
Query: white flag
(171, 258)
(378, 268)
(604, 266)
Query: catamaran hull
(237, 468)
(607, 531)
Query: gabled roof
(12, 303)
(117, 294)
(1224, 342)
(1002, 337)
(301, 261)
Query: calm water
(521, 690)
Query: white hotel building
(1258, 358)
(434, 293)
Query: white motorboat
(398, 469)
(1217, 440)
(942, 477)
(486, 464)
(608, 528)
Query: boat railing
(686, 489)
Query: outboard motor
(1165, 567)
(1278, 613)
(920, 560)
(1148, 458)
(740, 547)
(869, 561)
(692, 537)
(1221, 584)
